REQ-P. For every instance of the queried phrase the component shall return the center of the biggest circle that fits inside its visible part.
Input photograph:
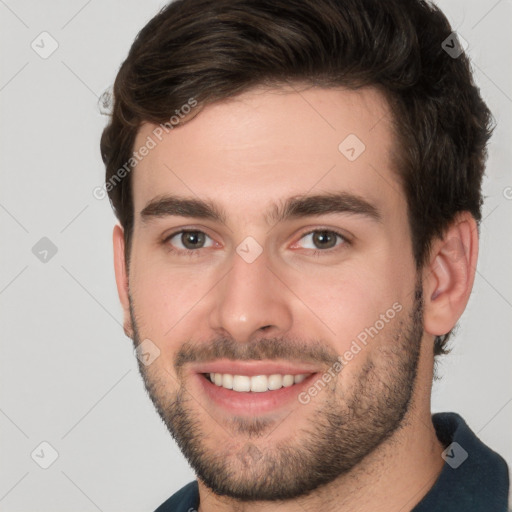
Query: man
(298, 185)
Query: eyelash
(314, 253)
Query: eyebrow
(295, 207)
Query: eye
(187, 241)
(325, 240)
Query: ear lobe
(121, 273)
(449, 278)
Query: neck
(394, 477)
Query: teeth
(275, 382)
(240, 382)
(257, 383)
(227, 381)
(288, 381)
(299, 378)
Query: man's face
(253, 295)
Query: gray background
(68, 373)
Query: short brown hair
(211, 50)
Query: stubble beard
(344, 427)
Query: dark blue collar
(473, 479)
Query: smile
(255, 383)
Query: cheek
(164, 297)
(343, 304)
(349, 302)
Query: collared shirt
(474, 478)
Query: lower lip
(251, 402)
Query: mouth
(256, 383)
(253, 388)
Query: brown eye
(188, 241)
(324, 239)
(192, 239)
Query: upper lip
(251, 368)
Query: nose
(251, 299)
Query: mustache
(265, 348)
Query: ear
(122, 278)
(448, 279)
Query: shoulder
(474, 477)
(184, 500)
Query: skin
(245, 154)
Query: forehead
(266, 145)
